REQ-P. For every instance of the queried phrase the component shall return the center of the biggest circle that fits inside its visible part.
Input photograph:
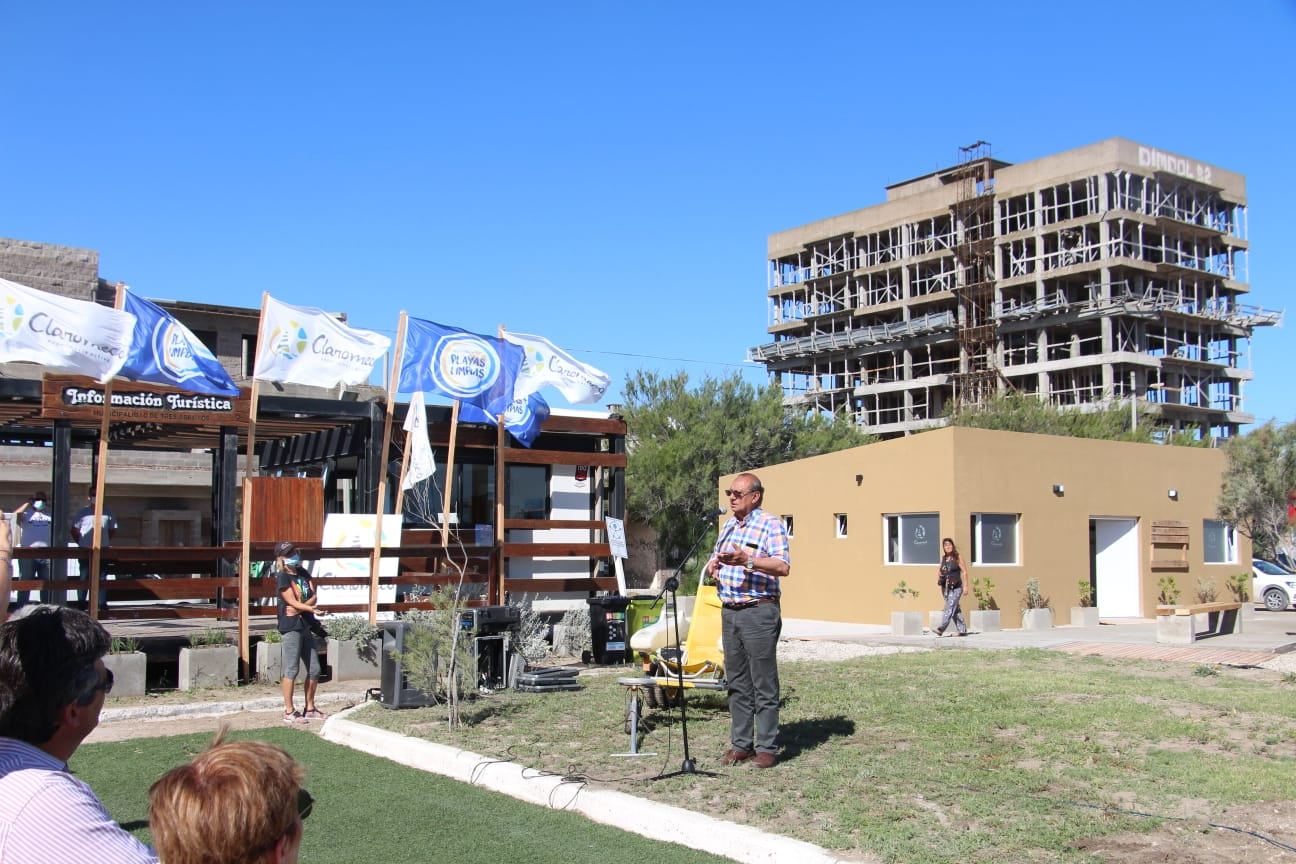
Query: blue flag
(478, 370)
(523, 418)
(164, 351)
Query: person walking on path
(297, 623)
(952, 581)
(750, 558)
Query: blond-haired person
(238, 802)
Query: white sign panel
(353, 531)
(616, 537)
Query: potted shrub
(128, 664)
(209, 661)
(354, 647)
(1239, 587)
(906, 623)
(1085, 614)
(984, 618)
(1037, 614)
(269, 657)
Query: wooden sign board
(75, 397)
(1170, 532)
(1169, 546)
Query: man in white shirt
(52, 687)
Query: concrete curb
(215, 709)
(647, 818)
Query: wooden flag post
(375, 559)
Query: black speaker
(492, 655)
(491, 620)
(396, 691)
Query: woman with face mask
(297, 610)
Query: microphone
(711, 514)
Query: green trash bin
(641, 613)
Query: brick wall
(64, 270)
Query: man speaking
(751, 556)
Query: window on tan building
(994, 538)
(912, 538)
(1219, 540)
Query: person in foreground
(298, 626)
(953, 582)
(237, 802)
(6, 567)
(52, 687)
(751, 557)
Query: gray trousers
(751, 673)
(953, 612)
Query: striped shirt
(48, 816)
(764, 536)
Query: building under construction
(1104, 274)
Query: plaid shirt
(767, 533)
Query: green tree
(681, 439)
(1025, 412)
(1261, 473)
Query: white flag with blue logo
(304, 345)
(522, 419)
(479, 370)
(164, 351)
(422, 464)
(547, 365)
(62, 333)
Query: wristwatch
(750, 566)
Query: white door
(1116, 567)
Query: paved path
(1205, 655)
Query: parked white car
(1272, 585)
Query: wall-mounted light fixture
(859, 478)
(1059, 489)
(1174, 494)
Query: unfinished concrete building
(1110, 272)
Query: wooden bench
(1185, 624)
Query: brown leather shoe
(733, 757)
(765, 760)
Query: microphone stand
(688, 766)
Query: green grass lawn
(369, 809)
(951, 755)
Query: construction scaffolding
(1111, 272)
(973, 211)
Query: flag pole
(376, 555)
(496, 592)
(245, 529)
(101, 460)
(449, 484)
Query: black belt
(747, 604)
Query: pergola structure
(306, 436)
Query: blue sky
(602, 174)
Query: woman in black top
(952, 582)
(297, 623)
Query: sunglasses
(738, 493)
(305, 804)
(105, 684)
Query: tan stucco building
(1062, 510)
